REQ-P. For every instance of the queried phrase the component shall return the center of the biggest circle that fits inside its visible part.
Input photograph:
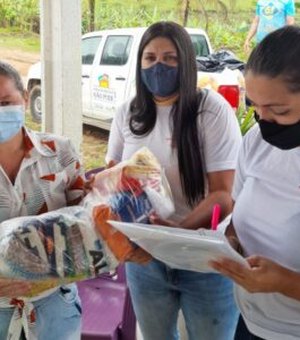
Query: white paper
(180, 248)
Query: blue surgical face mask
(161, 79)
(11, 121)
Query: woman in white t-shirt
(266, 215)
(196, 137)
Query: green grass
(12, 38)
(30, 123)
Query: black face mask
(284, 137)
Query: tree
(185, 11)
(92, 15)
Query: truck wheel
(35, 100)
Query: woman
(39, 172)
(269, 15)
(266, 214)
(195, 136)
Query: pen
(216, 213)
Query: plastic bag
(129, 192)
(217, 62)
(51, 249)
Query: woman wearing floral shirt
(39, 172)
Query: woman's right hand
(14, 288)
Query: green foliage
(246, 119)
(129, 16)
(229, 35)
(23, 14)
(226, 20)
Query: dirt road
(19, 59)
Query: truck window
(89, 48)
(116, 50)
(200, 45)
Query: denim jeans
(58, 316)
(159, 292)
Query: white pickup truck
(108, 74)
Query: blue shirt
(272, 15)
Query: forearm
(253, 29)
(290, 284)
(251, 32)
(201, 214)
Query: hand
(155, 219)
(263, 276)
(14, 288)
(111, 164)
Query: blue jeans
(159, 292)
(58, 316)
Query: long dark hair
(277, 55)
(185, 135)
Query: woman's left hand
(155, 219)
(263, 275)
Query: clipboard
(180, 248)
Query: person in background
(269, 16)
(39, 172)
(196, 137)
(266, 214)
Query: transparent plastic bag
(54, 248)
(130, 192)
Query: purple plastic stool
(107, 312)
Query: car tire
(35, 100)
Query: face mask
(161, 79)
(11, 121)
(284, 137)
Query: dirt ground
(19, 59)
(94, 140)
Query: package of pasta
(54, 248)
(130, 191)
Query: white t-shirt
(266, 217)
(219, 136)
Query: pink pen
(215, 216)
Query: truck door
(110, 77)
(89, 48)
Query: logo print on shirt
(269, 11)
